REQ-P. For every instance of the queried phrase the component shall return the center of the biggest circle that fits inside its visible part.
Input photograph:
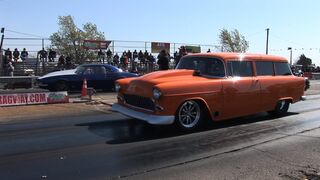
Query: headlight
(117, 87)
(156, 93)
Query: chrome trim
(159, 107)
(150, 118)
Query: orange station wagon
(215, 86)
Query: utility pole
(267, 43)
(1, 57)
(290, 48)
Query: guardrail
(8, 82)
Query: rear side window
(264, 68)
(282, 69)
(240, 68)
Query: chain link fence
(35, 66)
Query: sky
(292, 23)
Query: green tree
(304, 61)
(69, 38)
(233, 41)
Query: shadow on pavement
(131, 130)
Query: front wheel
(189, 115)
(61, 86)
(281, 108)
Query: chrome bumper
(151, 119)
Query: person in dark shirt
(163, 60)
(16, 54)
(61, 62)
(24, 54)
(8, 53)
(52, 55)
(43, 54)
(109, 56)
(116, 60)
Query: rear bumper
(151, 119)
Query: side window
(88, 71)
(282, 69)
(240, 68)
(264, 68)
(100, 70)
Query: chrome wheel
(189, 114)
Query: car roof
(227, 56)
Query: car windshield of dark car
(205, 65)
(80, 70)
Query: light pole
(290, 48)
(267, 43)
(1, 57)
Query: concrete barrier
(315, 76)
(8, 82)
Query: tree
(304, 61)
(233, 41)
(69, 38)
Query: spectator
(163, 60)
(101, 56)
(140, 55)
(8, 53)
(16, 54)
(61, 62)
(151, 61)
(109, 56)
(24, 54)
(129, 55)
(43, 54)
(69, 64)
(10, 68)
(116, 60)
(52, 55)
(135, 54)
(182, 52)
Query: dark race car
(98, 76)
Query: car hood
(165, 80)
(59, 73)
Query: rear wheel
(281, 108)
(61, 86)
(189, 115)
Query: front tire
(281, 108)
(61, 86)
(189, 116)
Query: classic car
(98, 76)
(215, 86)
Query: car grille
(139, 101)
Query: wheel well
(204, 108)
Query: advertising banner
(156, 47)
(33, 98)
(193, 49)
(96, 44)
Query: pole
(267, 43)
(290, 48)
(42, 43)
(1, 55)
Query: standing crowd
(129, 61)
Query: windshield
(205, 65)
(80, 69)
